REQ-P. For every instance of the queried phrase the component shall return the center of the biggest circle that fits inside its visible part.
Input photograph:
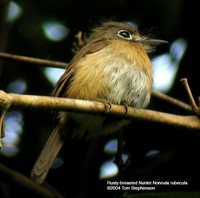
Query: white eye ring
(125, 34)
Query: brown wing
(63, 82)
(56, 139)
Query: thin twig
(194, 106)
(38, 61)
(172, 100)
(28, 183)
(53, 103)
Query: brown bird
(113, 66)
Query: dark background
(179, 148)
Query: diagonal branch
(28, 183)
(38, 61)
(194, 106)
(172, 100)
(53, 103)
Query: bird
(113, 66)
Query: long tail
(47, 156)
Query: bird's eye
(125, 34)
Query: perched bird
(113, 66)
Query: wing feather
(64, 80)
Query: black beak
(149, 44)
(153, 42)
(149, 41)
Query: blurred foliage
(178, 154)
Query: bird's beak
(149, 44)
(152, 42)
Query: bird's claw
(107, 105)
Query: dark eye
(125, 34)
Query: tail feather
(47, 156)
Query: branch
(33, 60)
(172, 101)
(194, 106)
(53, 103)
(28, 183)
